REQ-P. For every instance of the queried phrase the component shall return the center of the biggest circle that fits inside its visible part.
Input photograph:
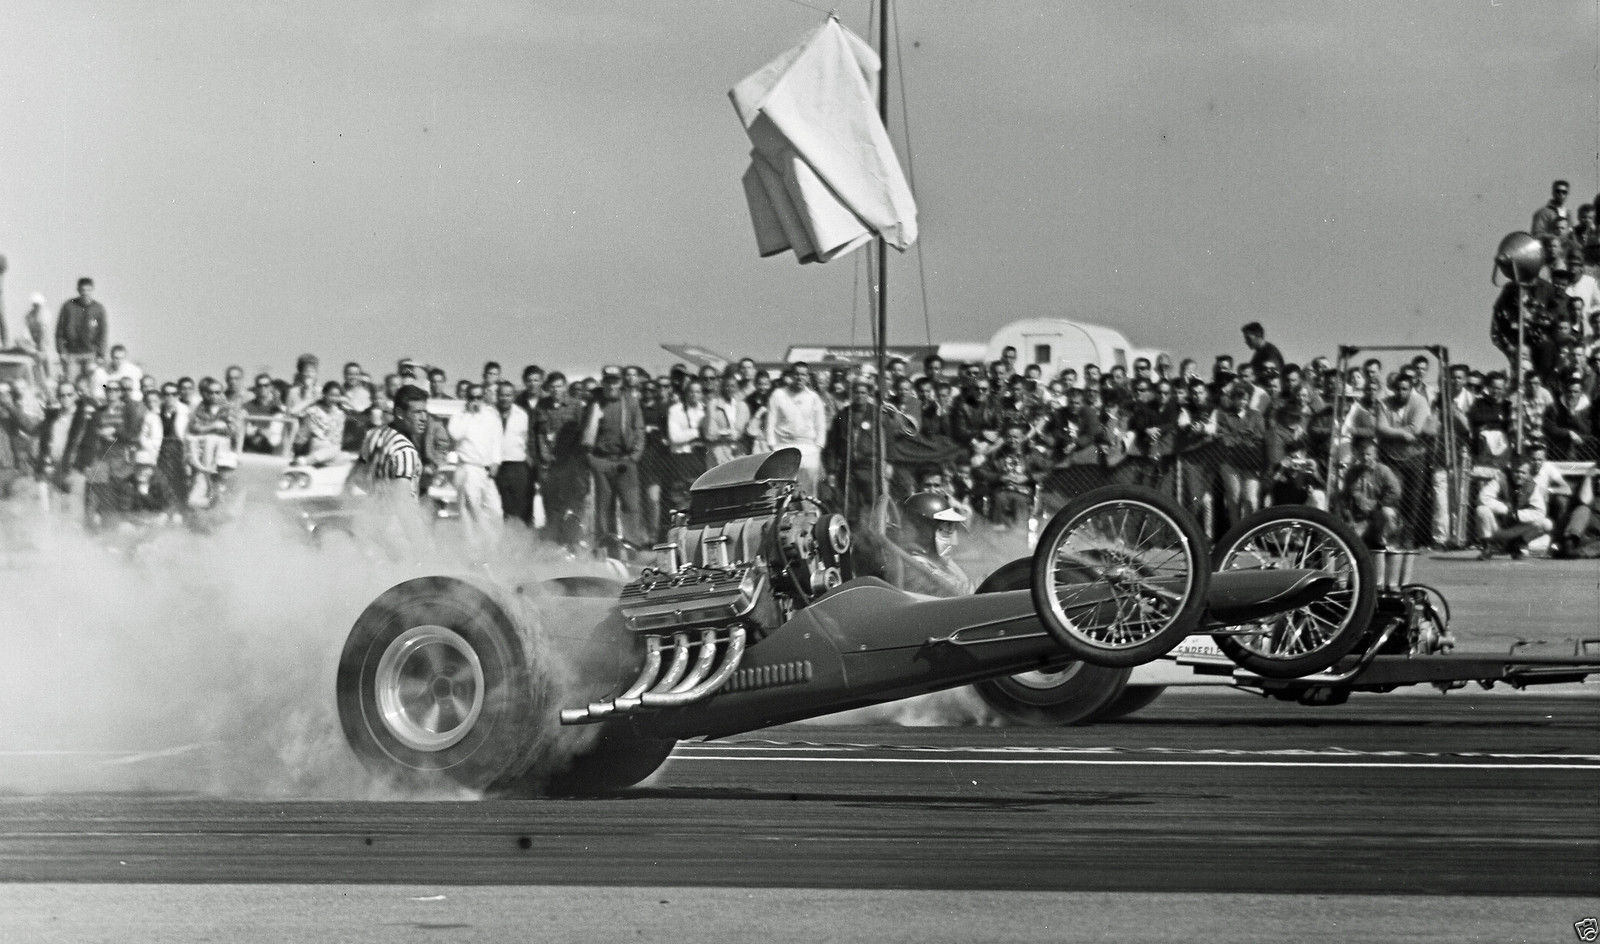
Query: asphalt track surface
(1460, 800)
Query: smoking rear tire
(1076, 693)
(1127, 701)
(618, 760)
(437, 686)
(1119, 576)
(1314, 637)
(1071, 694)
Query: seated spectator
(1511, 519)
(263, 404)
(320, 437)
(304, 391)
(1013, 472)
(1369, 497)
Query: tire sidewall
(1190, 614)
(1075, 699)
(509, 715)
(1345, 639)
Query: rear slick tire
(617, 761)
(437, 687)
(1071, 694)
(1127, 701)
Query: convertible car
(755, 616)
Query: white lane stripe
(113, 757)
(1127, 762)
(773, 748)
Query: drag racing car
(755, 617)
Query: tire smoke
(168, 661)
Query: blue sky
(559, 182)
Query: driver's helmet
(929, 522)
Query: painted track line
(1123, 762)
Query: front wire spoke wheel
(1120, 576)
(1313, 637)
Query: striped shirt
(392, 456)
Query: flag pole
(881, 282)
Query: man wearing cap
(613, 436)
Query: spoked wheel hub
(1119, 576)
(1313, 637)
(429, 686)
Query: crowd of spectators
(1411, 458)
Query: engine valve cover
(693, 596)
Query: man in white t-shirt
(797, 417)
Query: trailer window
(1041, 353)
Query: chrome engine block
(751, 551)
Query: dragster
(757, 617)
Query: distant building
(1058, 343)
(1052, 343)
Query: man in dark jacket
(559, 457)
(81, 330)
(613, 436)
(1569, 425)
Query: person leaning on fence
(1369, 496)
(1242, 451)
(1405, 429)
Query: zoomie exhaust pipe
(679, 684)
